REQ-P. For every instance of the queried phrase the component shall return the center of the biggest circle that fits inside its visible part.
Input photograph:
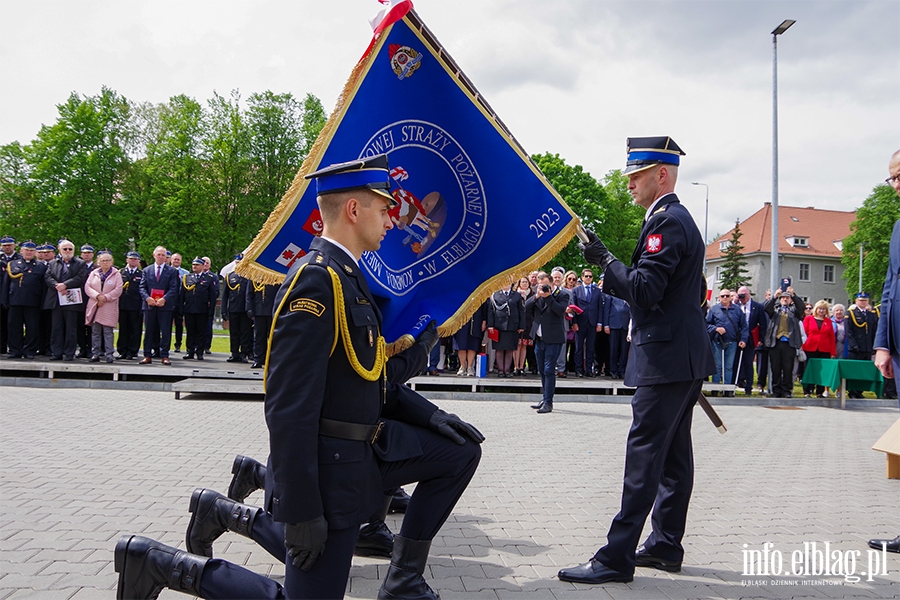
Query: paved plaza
(80, 467)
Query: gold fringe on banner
(252, 270)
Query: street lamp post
(705, 224)
(775, 33)
(860, 265)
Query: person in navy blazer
(887, 336)
(670, 357)
(588, 299)
(616, 316)
(757, 321)
(159, 290)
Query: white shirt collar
(342, 247)
(653, 206)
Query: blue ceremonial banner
(474, 212)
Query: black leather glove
(451, 426)
(595, 252)
(305, 541)
(429, 337)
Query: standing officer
(326, 474)
(213, 278)
(260, 304)
(130, 305)
(861, 332)
(7, 254)
(84, 331)
(197, 294)
(587, 298)
(22, 291)
(46, 253)
(671, 357)
(234, 312)
(65, 277)
(178, 314)
(159, 290)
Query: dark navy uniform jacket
(260, 300)
(234, 294)
(616, 313)
(664, 287)
(197, 293)
(4, 260)
(309, 376)
(74, 278)
(24, 283)
(131, 289)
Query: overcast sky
(573, 77)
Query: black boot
(546, 407)
(375, 539)
(145, 567)
(249, 476)
(399, 502)
(212, 514)
(404, 578)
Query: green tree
(18, 211)
(624, 218)
(734, 275)
(314, 118)
(76, 170)
(873, 226)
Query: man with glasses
(728, 332)
(587, 298)
(755, 318)
(65, 278)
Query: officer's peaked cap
(7, 240)
(370, 173)
(29, 244)
(133, 254)
(646, 152)
(198, 261)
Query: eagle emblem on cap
(404, 60)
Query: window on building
(830, 301)
(718, 273)
(804, 272)
(828, 276)
(801, 242)
(723, 245)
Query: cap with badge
(198, 261)
(133, 254)
(50, 247)
(29, 244)
(7, 240)
(87, 248)
(646, 152)
(365, 173)
(862, 295)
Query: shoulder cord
(12, 276)
(499, 307)
(235, 288)
(378, 369)
(189, 288)
(855, 322)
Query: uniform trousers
(157, 332)
(46, 331)
(585, 340)
(781, 357)
(618, 351)
(261, 326)
(762, 366)
(659, 474)
(178, 317)
(443, 472)
(601, 352)
(209, 329)
(84, 332)
(64, 336)
(240, 333)
(29, 318)
(4, 329)
(130, 322)
(195, 323)
(546, 355)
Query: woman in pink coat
(103, 287)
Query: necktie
(157, 272)
(587, 293)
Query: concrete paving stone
(23, 567)
(584, 592)
(37, 582)
(451, 594)
(23, 594)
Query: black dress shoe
(890, 545)
(545, 408)
(256, 365)
(538, 405)
(642, 558)
(199, 357)
(188, 356)
(399, 501)
(375, 539)
(55, 358)
(95, 359)
(593, 572)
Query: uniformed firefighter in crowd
(131, 318)
(861, 328)
(214, 280)
(7, 253)
(670, 357)
(84, 330)
(45, 254)
(326, 473)
(22, 291)
(260, 304)
(234, 313)
(197, 294)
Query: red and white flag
(289, 255)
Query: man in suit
(587, 298)
(234, 313)
(756, 320)
(887, 336)
(65, 278)
(670, 358)
(159, 290)
(616, 316)
(547, 307)
(326, 474)
(22, 291)
(84, 331)
(130, 306)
